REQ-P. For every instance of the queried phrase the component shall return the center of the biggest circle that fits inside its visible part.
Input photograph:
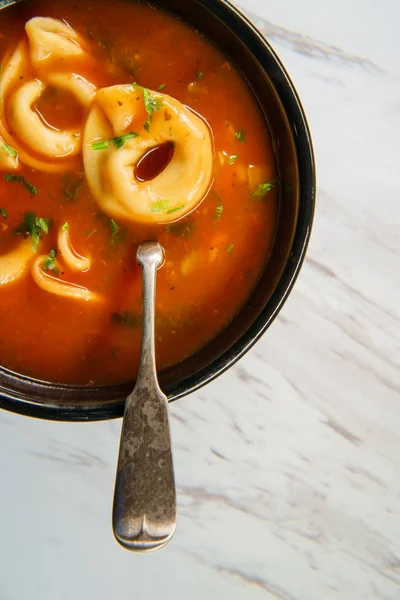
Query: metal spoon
(144, 513)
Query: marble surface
(288, 466)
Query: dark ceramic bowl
(271, 85)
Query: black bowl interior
(278, 100)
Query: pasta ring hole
(59, 109)
(154, 161)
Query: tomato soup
(70, 287)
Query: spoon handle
(144, 513)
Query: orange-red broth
(211, 263)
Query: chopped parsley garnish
(4, 213)
(230, 249)
(233, 159)
(219, 209)
(151, 104)
(181, 229)
(118, 142)
(115, 229)
(65, 227)
(162, 86)
(263, 189)
(100, 145)
(241, 136)
(72, 183)
(160, 206)
(10, 151)
(172, 210)
(19, 179)
(117, 234)
(34, 226)
(49, 263)
(199, 75)
(126, 318)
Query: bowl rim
(263, 52)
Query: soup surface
(70, 288)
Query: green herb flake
(263, 189)
(34, 226)
(126, 318)
(199, 75)
(181, 229)
(120, 141)
(19, 179)
(49, 263)
(72, 183)
(160, 206)
(172, 210)
(219, 209)
(230, 249)
(115, 229)
(4, 213)
(241, 136)
(102, 145)
(9, 150)
(117, 233)
(151, 104)
(233, 159)
(65, 227)
(43, 224)
(162, 86)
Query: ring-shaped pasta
(13, 69)
(15, 263)
(52, 40)
(56, 286)
(77, 85)
(110, 172)
(18, 66)
(38, 145)
(29, 127)
(72, 259)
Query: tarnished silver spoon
(144, 513)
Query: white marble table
(288, 466)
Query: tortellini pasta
(15, 263)
(75, 261)
(54, 285)
(51, 40)
(37, 63)
(21, 259)
(48, 280)
(125, 122)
